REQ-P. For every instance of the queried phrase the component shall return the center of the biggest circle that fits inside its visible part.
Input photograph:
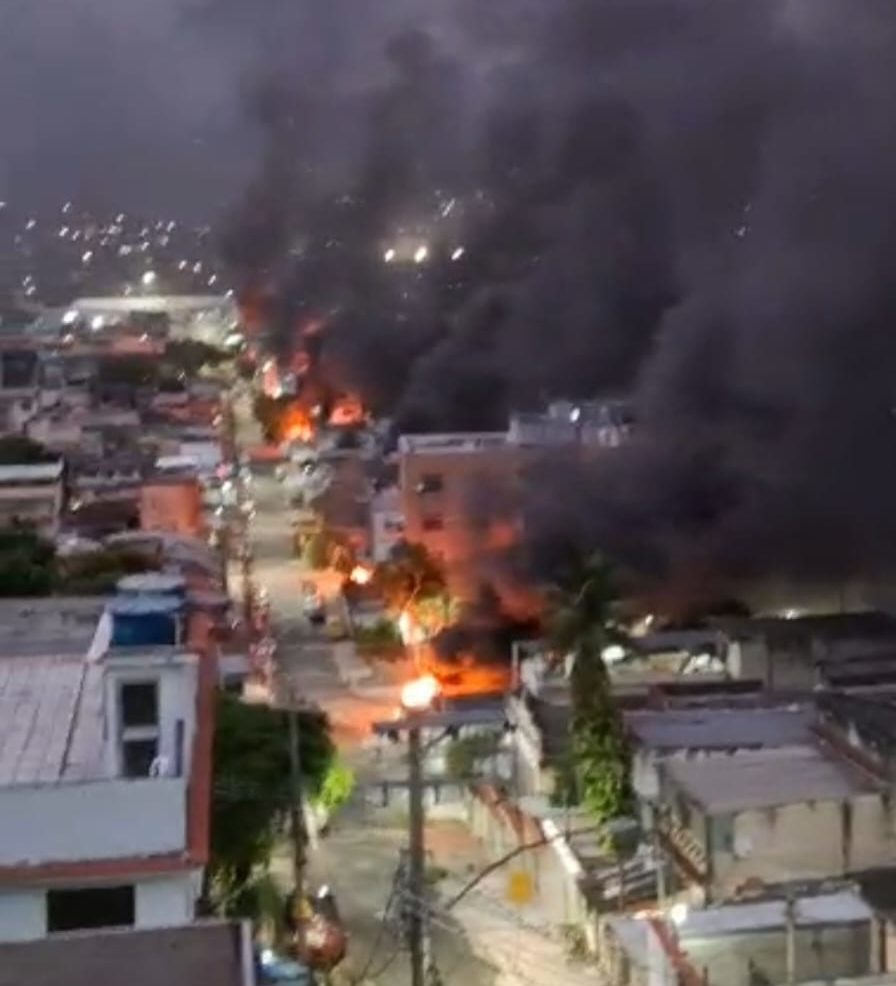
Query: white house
(104, 789)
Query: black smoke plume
(689, 201)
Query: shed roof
(768, 778)
(720, 728)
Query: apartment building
(32, 494)
(456, 488)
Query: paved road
(359, 856)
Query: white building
(386, 523)
(32, 494)
(759, 818)
(104, 789)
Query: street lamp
(417, 696)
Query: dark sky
(135, 104)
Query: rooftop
(205, 952)
(35, 472)
(720, 728)
(830, 626)
(842, 907)
(455, 442)
(766, 778)
(51, 709)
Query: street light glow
(457, 253)
(148, 278)
(360, 575)
(421, 253)
(389, 255)
(420, 693)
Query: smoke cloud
(690, 202)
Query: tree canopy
(20, 450)
(252, 786)
(409, 575)
(582, 624)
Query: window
(139, 704)
(431, 482)
(433, 522)
(93, 907)
(139, 725)
(137, 756)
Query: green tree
(18, 450)
(582, 624)
(26, 563)
(252, 788)
(98, 572)
(409, 575)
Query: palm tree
(583, 624)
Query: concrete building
(829, 937)
(439, 478)
(171, 503)
(732, 823)
(455, 487)
(837, 649)
(105, 765)
(660, 737)
(32, 494)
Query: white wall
(178, 683)
(810, 840)
(166, 901)
(160, 902)
(98, 819)
(23, 914)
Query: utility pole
(416, 856)
(297, 826)
(790, 938)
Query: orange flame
(347, 411)
(296, 426)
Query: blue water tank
(153, 584)
(145, 621)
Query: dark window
(433, 522)
(431, 482)
(137, 756)
(139, 704)
(93, 907)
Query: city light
(389, 255)
(70, 317)
(86, 256)
(457, 253)
(148, 278)
(421, 254)
(678, 913)
(420, 693)
(97, 322)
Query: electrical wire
(381, 930)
